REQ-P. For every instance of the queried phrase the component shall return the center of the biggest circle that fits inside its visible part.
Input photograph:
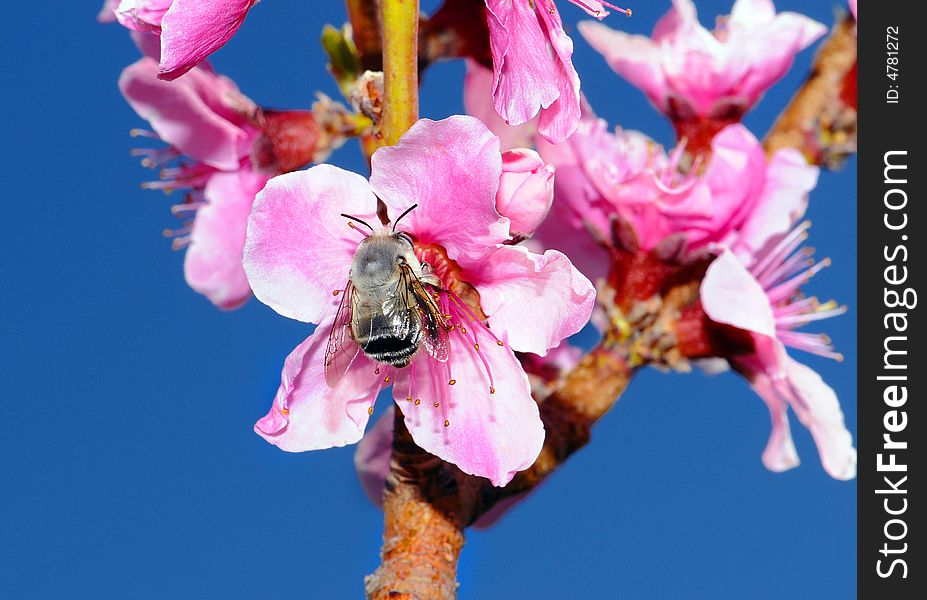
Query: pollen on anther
(418, 401)
(409, 399)
(369, 410)
(452, 382)
(336, 292)
(499, 343)
(376, 371)
(476, 346)
(492, 390)
(386, 379)
(437, 404)
(446, 423)
(285, 410)
(463, 330)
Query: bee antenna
(361, 221)
(405, 212)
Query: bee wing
(434, 325)
(341, 349)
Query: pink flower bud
(526, 189)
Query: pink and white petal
(780, 454)
(299, 249)
(181, 115)
(451, 169)
(681, 16)
(752, 13)
(732, 296)
(492, 435)
(478, 103)
(191, 30)
(142, 15)
(783, 201)
(636, 58)
(372, 457)
(525, 78)
(817, 407)
(514, 283)
(212, 265)
(771, 50)
(309, 415)
(561, 118)
(149, 44)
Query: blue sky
(129, 463)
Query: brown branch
(424, 524)
(429, 503)
(365, 26)
(821, 118)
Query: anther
(492, 390)
(418, 401)
(386, 379)
(476, 346)
(437, 404)
(336, 292)
(452, 382)
(369, 410)
(446, 422)
(285, 410)
(499, 343)
(409, 399)
(376, 371)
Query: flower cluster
(419, 280)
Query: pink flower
(526, 190)
(689, 72)
(107, 14)
(224, 145)
(601, 176)
(533, 70)
(764, 301)
(190, 30)
(471, 405)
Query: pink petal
(525, 79)
(853, 8)
(680, 17)
(372, 457)
(191, 30)
(488, 435)
(731, 295)
(780, 454)
(184, 113)
(634, 57)
(212, 265)
(309, 415)
(478, 103)
(770, 49)
(534, 301)
(752, 12)
(107, 13)
(559, 120)
(735, 176)
(816, 405)
(298, 249)
(142, 15)
(782, 202)
(451, 169)
(526, 189)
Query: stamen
(786, 246)
(446, 423)
(186, 207)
